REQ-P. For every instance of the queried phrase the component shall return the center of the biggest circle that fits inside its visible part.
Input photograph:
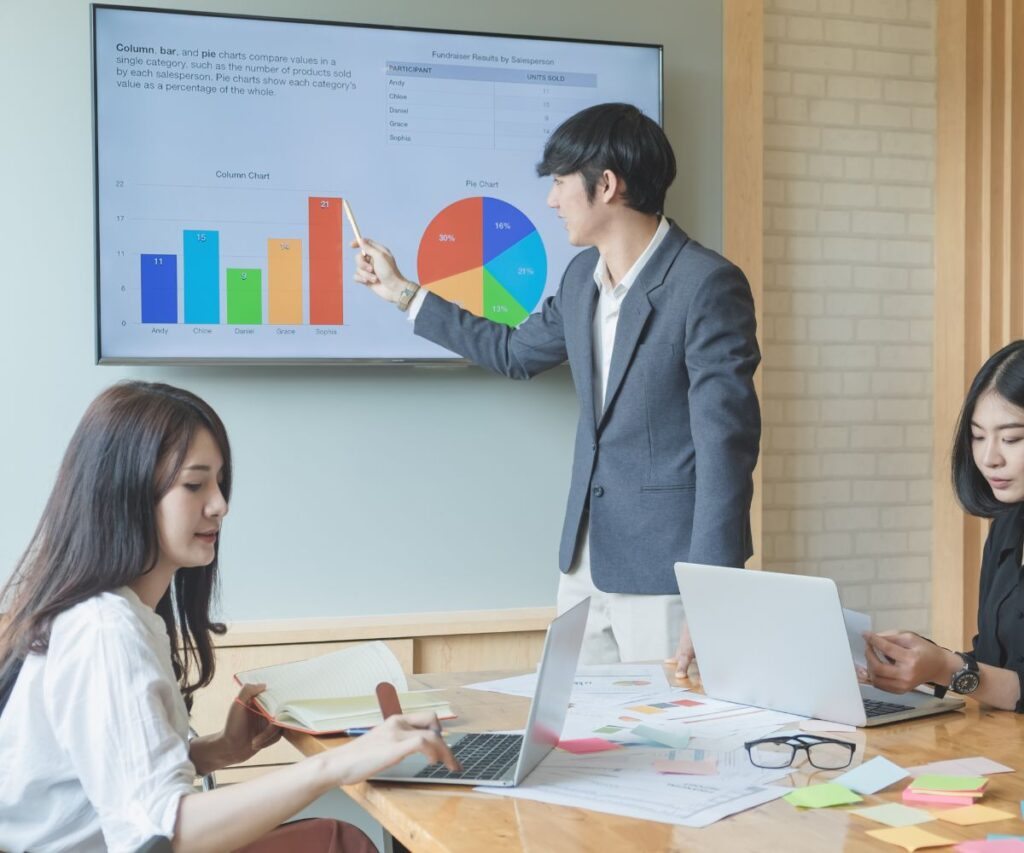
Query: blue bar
(202, 274)
(159, 274)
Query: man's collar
(601, 270)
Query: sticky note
(707, 767)
(976, 765)
(995, 836)
(910, 837)
(973, 814)
(910, 796)
(586, 745)
(955, 784)
(822, 796)
(825, 726)
(893, 814)
(999, 846)
(677, 739)
(872, 776)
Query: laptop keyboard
(876, 707)
(484, 756)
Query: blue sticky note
(995, 836)
(872, 776)
(675, 739)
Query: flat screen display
(224, 147)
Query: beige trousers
(621, 627)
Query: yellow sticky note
(970, 815)
(910, 837)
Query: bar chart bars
(325, 256)
(301, 280)
(159, 277)
(202, 271)
(245, 296)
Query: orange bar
(326, 304)
(284, 280)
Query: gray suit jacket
(666, 469)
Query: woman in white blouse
(107, 636)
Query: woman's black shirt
(1000, 638)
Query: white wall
(357, 490)
(849, 163)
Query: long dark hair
(1004, 374)
(98, 531)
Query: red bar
(326, 306)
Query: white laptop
(779, 641)
(505, 760)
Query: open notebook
(334, 692)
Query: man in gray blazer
(659, 333)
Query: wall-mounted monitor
(224, 146)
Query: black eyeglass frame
(798, 742)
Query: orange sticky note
(971, 815)
(910, 837)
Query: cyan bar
(202, 268)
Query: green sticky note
(822, 796)
(895, 814)
(936, 782)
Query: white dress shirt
(94, 737)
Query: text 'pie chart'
(485, 255)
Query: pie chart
(485, 255)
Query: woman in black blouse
(988, 479)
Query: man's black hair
(620, 138)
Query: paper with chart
(640, 792)
(630, 780)
(613, 681)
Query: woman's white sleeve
(111, 705)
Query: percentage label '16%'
(503, 226)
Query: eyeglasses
(822, 752)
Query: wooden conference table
(452, 819)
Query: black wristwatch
(965, 680)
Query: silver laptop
(779, 641)
(505, 760)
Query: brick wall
(849, 161)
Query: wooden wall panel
(743, 168)
(979, 259)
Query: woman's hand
(379, 273)
(387, 744)
(899, 661)
(246, 731)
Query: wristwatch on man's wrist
(405, 297)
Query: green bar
(245, 297)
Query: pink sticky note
(707, 767)
(585, 745)
(990, 847)
(936, 799)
